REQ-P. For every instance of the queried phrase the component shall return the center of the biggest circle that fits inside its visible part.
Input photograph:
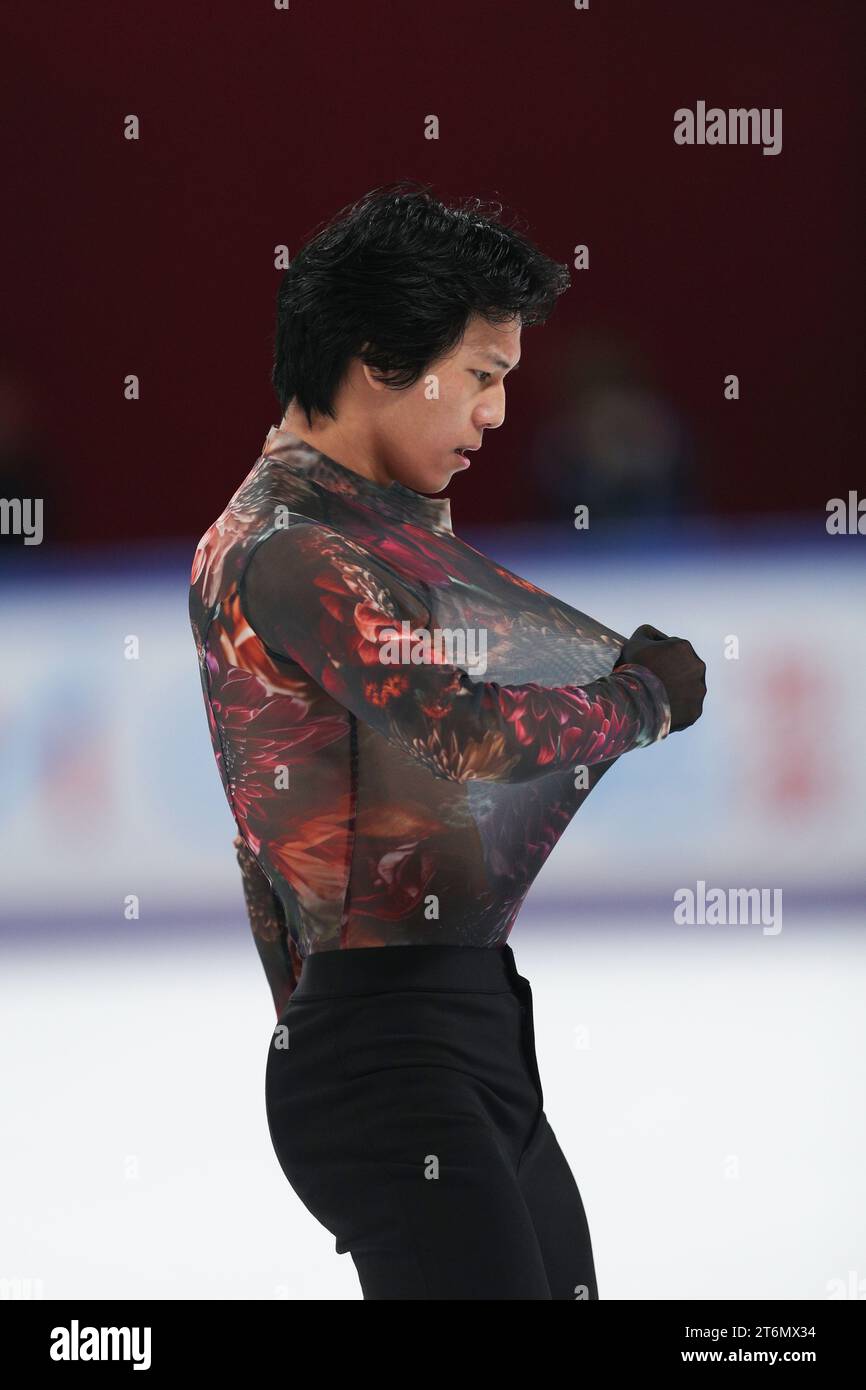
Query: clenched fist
(678, 667)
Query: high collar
(402, 503)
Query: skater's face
(453, 403)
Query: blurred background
(705, 1081)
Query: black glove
(677, 665)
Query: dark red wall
(156, 257)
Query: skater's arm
(320, 600)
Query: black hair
(393, 280)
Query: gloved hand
(677, 665)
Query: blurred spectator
(614, 443)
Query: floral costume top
(403, 727)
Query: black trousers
(405, 1108)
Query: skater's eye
(477, 372)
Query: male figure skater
(394, 800)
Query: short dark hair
(393, 279)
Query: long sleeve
(316, 598)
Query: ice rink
(706, 1085)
